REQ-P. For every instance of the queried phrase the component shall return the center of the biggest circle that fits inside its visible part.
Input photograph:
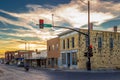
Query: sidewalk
(73, 70)
(78, 70)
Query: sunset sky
(18, 19)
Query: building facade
(16, 57)
(106, 51)
(53, 51)
(9, 57)
(68, 50)
(38, 59)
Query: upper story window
(68, 44)
(86, 39)
(111, 42)
(49, 48)
(99, 42)
(63, 44)
(53, 46)
(73, 42)
(119, 41)
(56, 46)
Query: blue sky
(18, 19)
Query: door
(68, 60)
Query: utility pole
(88, 64)
(25, 44)
(89, 52)
(52, 20)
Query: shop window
(74, 58)
(49, 61)
(63, 58)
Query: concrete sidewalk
(72, 70)
(78, 70)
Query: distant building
(9, 57)
(38, 59)
(15, 57)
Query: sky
(18, 19)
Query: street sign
(48, 25)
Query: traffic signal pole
(88, 63)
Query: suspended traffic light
(41, 23)
(86, 54)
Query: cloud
(73, 14)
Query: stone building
(106, 51)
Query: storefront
(68, 59)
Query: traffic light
(41, 23)
(90, 51)
(86, 54)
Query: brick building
(15, 57)
(9, 57)
(53, 51)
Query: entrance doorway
(68, 60)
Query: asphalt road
(16, 73)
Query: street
(18, 73)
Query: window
(55, 61)
(111, 42)
(74, 58)
(63, 44)
(56, 46)
(49, 48)
(73, 44)
(119, 41)
(99, 42)
(67, 43)
(53, 47)
(63, 58)
(86, 41)
(49, 61)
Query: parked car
(7, 63)
(21, 64)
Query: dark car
(21, 64)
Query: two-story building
(106, 51)
(53, 51)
